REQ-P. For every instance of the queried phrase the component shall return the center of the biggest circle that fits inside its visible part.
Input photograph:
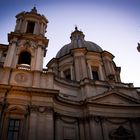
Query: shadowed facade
(79, 96)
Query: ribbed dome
(77, 41)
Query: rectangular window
(95, 75)
(30, 27)
(67, 74)
(13, 129)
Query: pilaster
(95, 128)
(80, 63)
(11, 54)
(41, 123)
(33, 126)
(87, 129)
(136, 128)
(36, 79)
(6, 76)
(81, 129)
(39, 58)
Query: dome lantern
(76, 35)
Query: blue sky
(112, 24)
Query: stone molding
(41, 109)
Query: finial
(138, 47)
(76, 28)
(34, 10)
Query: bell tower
(27, 47)
(27, 44)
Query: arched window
(95, 75)
(24, 58)
(67, 74)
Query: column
(41, 29)
(36, 28)
(86, 126)
(61, 74)
(0, 55)
(44, 29)
(101, 72)
(107, 67)
(112, 67)
(104, 129)
(39, 60)
(58, 129)
(10, 55)
(95, 128)
(24, 26)
(83, 67)
(92, 129)
(136, 128)
(90, 71)
(71, 72)
(6, 76)
(18, 26)
(77, 68)
(50, 79)
(49, 125)
(36, 79)
(41, 127)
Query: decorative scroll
(41, 109)
(27, 43)
(66, 119)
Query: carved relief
(121, 133)
(21, 77)
(27, 43)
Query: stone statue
(138, 47)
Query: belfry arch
(24, 58)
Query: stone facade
(80, 96)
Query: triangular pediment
(114, 98)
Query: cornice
(28, 36)
(63, 81)
(5, 87)
(30, 14)
(31, 90)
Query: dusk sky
(112, 24)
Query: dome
(77, 41)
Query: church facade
(79, 96)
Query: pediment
(114, 98)
(16, 109)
